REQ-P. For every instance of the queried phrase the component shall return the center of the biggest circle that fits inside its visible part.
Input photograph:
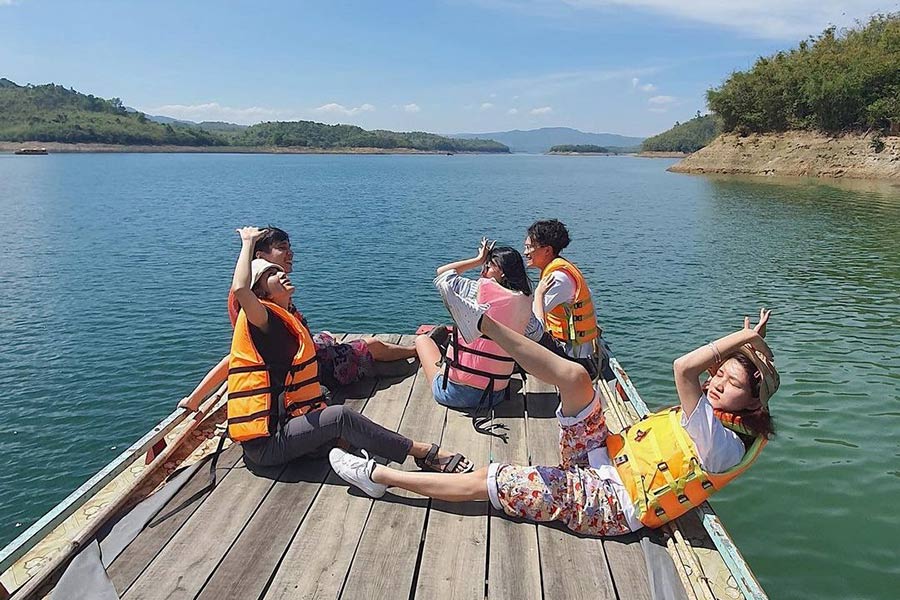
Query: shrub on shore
(840, 80)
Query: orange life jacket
(250, 388)
(574, 322)
(658, 463)
(482, 363)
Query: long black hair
(510, 262)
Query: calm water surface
(114, 269)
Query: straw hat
(258, 267)
(764, 360)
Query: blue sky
(624, 66)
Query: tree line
(689, 136)
(840, 80)
(581, 148)
(53, 113)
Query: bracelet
(715, 351)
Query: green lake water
(114, 271)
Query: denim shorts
(458, 395)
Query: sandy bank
(57, 147)
(586, 154)
(650, 154)
(797, 153)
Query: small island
(580, 149)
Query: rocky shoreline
(798, 153)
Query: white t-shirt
(562, 291)
(468, 288)
(718, 448)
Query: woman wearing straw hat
(605, 484)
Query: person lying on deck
(275, 404)
(340, 364)
(477, 374)
(651, 473)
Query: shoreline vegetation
(75, 148)
(51, 113)
(589, 150)
(829, 107)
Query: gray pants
(305, 434)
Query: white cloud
(340, 109)
(7, 2)
(647, 87)
(543, 110)
(513, 111)
(213, 111)
(779, 19)
(662, 100)
(411, 108)
(487, 106)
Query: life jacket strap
(247, 369)
(299, 367)
(254, 392)
(298, 405)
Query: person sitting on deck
(340, 364)
(477, 374)
(654, 471)
(275, 405)
(563, 300)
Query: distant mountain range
(541, 140)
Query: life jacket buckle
(660, 511)
(641, 434)
(683, 499)
(621, 459)
(662, 466)
(706, 484)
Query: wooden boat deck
(300, 532)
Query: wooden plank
(143, 549)
(245, 570)
(385, 561)
(187, 561)
(454, 556)
(572, 566)
(327, 538)
(514, 568)
(624, 553)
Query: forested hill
(53, 113)
(847, 80)
(684, 137)
(319, 135)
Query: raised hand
(485, 247)
(250, 234)
(760, 327)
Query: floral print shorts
(341, 364)
(572, 492)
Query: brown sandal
(448, 465)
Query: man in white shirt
(563, 299)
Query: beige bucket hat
(764, 360)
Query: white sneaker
(466, 314)
(356, 471)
